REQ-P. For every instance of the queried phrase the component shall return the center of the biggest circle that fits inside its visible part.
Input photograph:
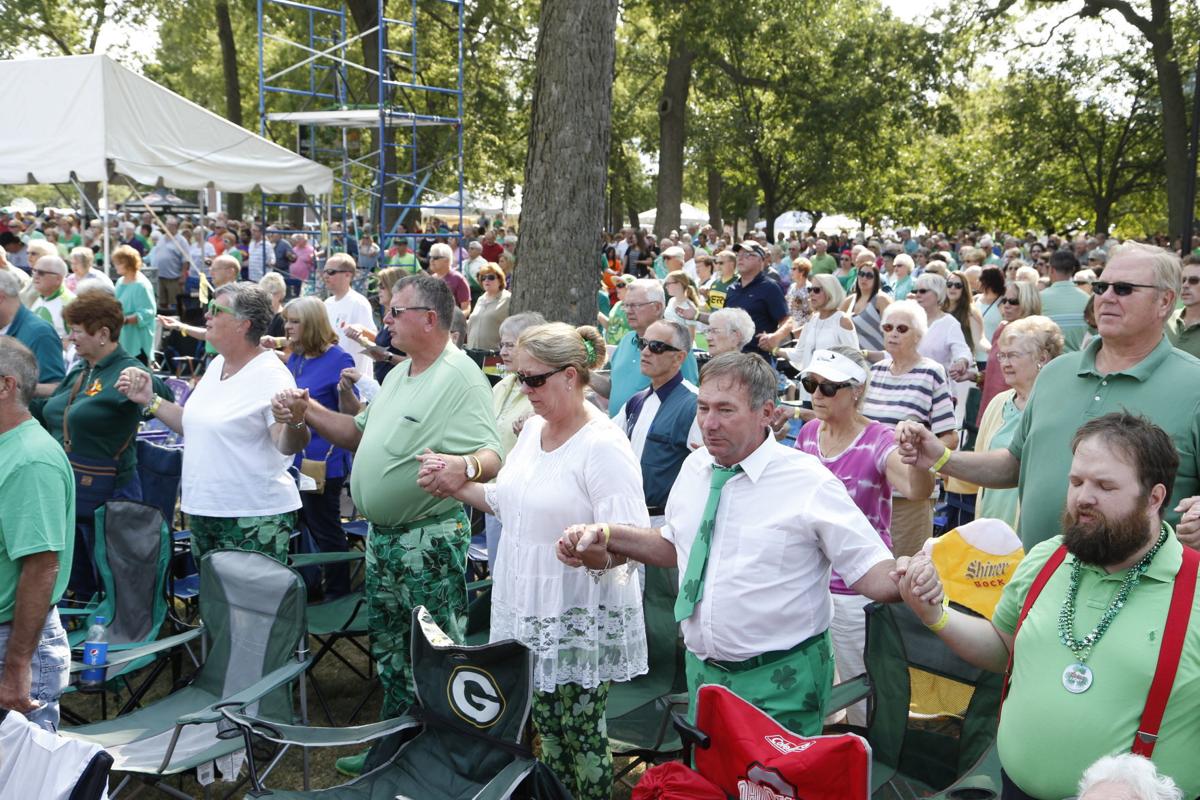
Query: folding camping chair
(742, 752)
(253, 611)
(132, 554)
(465, 733)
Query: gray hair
(652, 289)
(17, 360)
(441, 250)
(93, 284)
(250, 302)
(519, 322)
(914, 313)
(274, 284)
(432, 292)
(747, 369)
(1135, 773)
(475, 245)
(934, 282)
(83, 255)
(681, 335)
(738, 322)
(9, 285)
(1168, 270)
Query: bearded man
(1094, 624)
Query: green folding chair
(253, 611)
(464, 737)
(931, 717)
(639, 711)
(132, 554)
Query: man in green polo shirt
(1075, 699)
(437, 400)
(1183, 329)
(1063, 303)
(1130, 365)
(822, 262)
(37, 535)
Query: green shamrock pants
(425, 566)
(791, 686)
(269, 534)
(574, 734)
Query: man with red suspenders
(1093, 628)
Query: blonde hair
(1027, 294)
(1036, 334)
(342, 261)
(128, 256)
(558, 345)
(689, 288)
(274, 283)
(316, 334)
(803, 265)
(1027, 275)
(389, 277)
(41, 248)
(832, 288)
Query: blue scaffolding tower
(308, 93)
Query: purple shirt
(862, 469)
(320, 375)
(458, 287)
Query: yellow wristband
(945, 618)
(607, 531)
(941, 462)
(796, 412)
(152, 407)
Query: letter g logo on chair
(474, 696)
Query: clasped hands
(290, 406)
(441, 475)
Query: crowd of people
(786, 424)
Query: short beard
(1105, 542)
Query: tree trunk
(672, 113)
(567, 163)
(1103, 208)
(715, 184)
(233, 88)
(1175, 136)
(365, 15)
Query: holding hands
(583, 546)
(919, 447)
(920, 586)
(441, 475)
(290, 406)
(134, 383)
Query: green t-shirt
(824, 264)
(1063, 303)
(37, 495)
(1041, 716)
(407, 262)
(718, 290)
(1164, 387)
(447, 408)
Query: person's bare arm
(995, 469)
(584, 545)
(293, 407)
(34, 587)
(909, 480)
(136, 384)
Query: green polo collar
(1140, 371)
(1163, 568)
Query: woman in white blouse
(944, 341)
(827, 327)
(570, 463)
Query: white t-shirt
(353, 309)
(231, 468)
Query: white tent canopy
(102, 112)
(688, 215)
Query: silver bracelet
(597, 574)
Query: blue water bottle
(95, 651)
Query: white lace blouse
(580, 629)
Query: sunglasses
(1008, 301)
(1192, 280)
(1120, 288)
(335, 271)
(867, 274)
(888, 327)
(955, 285)
(815, 290)
(398, 310)
(489, 277)
(812, 386)
(214, 307)
(922, 291)
(656, 347)
(538, 381)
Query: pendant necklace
(1077, 677)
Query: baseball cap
(753, 247)
(835, 367)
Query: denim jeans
(50, 668)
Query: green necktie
(693, 577)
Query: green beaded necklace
(1082, 648)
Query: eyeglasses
(1192, 280)
(656, 347)
(1008, 301)
(1009, 355)
(335, 271)
(489, 277)
(1121, 288)
(398, 310)
(888, 327)
(815, 290)
(955, 285)
(214, 307)
(812, 386)
(629, 305)
(537, 381)
(922, 291)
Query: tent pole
(104, 223)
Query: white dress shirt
(782, 523)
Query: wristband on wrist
(944, 619)
(941, 462)
(152, 406)
(607, 531)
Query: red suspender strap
(1039, 583)
(1169, 653)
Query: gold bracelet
(941, 462)
(945, 618)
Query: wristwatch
(472, 468)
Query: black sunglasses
(1008, 301)
(867, 274)
(655, 346)
(1192, 280)
(812, 386)
(1121, 288)
(489, 277)
(398, 310)
(954, 285)
(537, 381)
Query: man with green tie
(754, 527)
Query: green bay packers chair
(253, 612)
(463, 739)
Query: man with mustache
(1097, 610)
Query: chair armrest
(75, 612)
(134, 653)
(501, 785)
(317, 559)
(265, 685)
(306, 736)
(476, 585)
(849, 692)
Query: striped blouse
(921, 394)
